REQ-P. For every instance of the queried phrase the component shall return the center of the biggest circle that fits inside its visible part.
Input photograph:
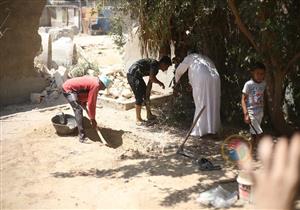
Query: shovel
(180, 150)
(101, 137)
(97, 129)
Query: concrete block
(127, 93)
(91, 72)
(36, 98)
(61, 75)
(62, 51)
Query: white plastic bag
(218, 197)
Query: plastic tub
(64, 128)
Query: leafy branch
(241, 25)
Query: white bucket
(245, 187)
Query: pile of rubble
(119, 89)
(55, 79)
(61, 59)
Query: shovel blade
(185, 153)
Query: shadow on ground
(114, 138)
(6, 111)
(170, 165)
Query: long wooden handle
(192, 127)
(101, 137)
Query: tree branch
(291, 62)
(241, 25)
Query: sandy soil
(140, 170)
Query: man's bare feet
(140, 122)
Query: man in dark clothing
(81, 92)
(138, 70)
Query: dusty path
(42, 170)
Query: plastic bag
(218, 197)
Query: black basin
(64, 129)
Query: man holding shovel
(81, 92)
(206, 88)
(138, 70)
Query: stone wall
(18, 47)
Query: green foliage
(274, 25)
(82, 67)
(117, 31)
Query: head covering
(105, 80)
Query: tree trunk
(275, 93)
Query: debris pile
(120, 88)
(63, 57)
(55, 79)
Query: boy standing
(138, 70)
(253, 100)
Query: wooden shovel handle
(192, 127)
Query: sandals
(206, 165)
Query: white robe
(205, 81)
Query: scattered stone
(54, 95)
(127, 93)
(91, 72)
(61, 75)
(36, 98)
(44, 93)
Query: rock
(36, 98)
(117, 81)
(61, 75)
(91, 72)
(121, 99)
(44, 93)
(127, 93)
(48, 88)
(112, 70)
(114, 92)
(52, 96)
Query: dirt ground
(140, 170)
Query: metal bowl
(64, 129)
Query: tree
(232, 33)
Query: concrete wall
(18, 47)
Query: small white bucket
(245, 187)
